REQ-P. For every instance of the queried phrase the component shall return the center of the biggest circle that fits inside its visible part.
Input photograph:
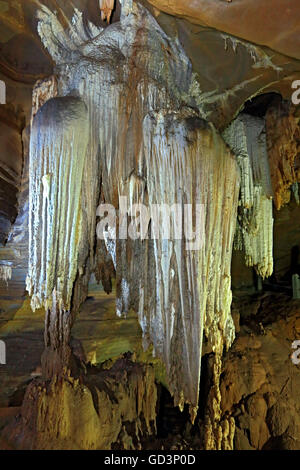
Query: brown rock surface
(273, 23)
(229, 70)
(283, 137)
(106, 407)
(259, 382)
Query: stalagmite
(246, 137)
(124, 118)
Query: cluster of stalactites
(183, 291)
(106, 7)
(247, 138)
(166, 157)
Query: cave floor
(98, 335)
(268, 323)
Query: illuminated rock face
(10, 171)
(247, 137)
(106, 7)
(244, 19)
(125, 117)
(57, 223)
(57, 157)
(118, 405)
(180, 292)
(283, 137)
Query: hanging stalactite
(105, 127)
(247, 138)
(57, 233)
(106, 7)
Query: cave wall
(112, 78)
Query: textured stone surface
(259, 382)
(106, 407)
(287, 241)
(229, 68)
(283, 137)
(98, 336)
(131, 145)
(12, 122)
(246, 136)
(261, 24)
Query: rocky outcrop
(105, 408)
(259, 382)
(283, 137)
(242, 19)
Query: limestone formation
(247, 138)
(243, 19)
(283, 137)
(140, 143)
(174, 152)
(115, 406)
(106, 7)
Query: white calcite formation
(123, 125)
(5, 272)
(247, 138)
(58, 147)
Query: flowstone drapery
(124, 124)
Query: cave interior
(149, 225)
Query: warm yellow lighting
(106, 7)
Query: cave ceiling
(272, 23)
(237, 50)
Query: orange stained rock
(283, 135)
(106, 7)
